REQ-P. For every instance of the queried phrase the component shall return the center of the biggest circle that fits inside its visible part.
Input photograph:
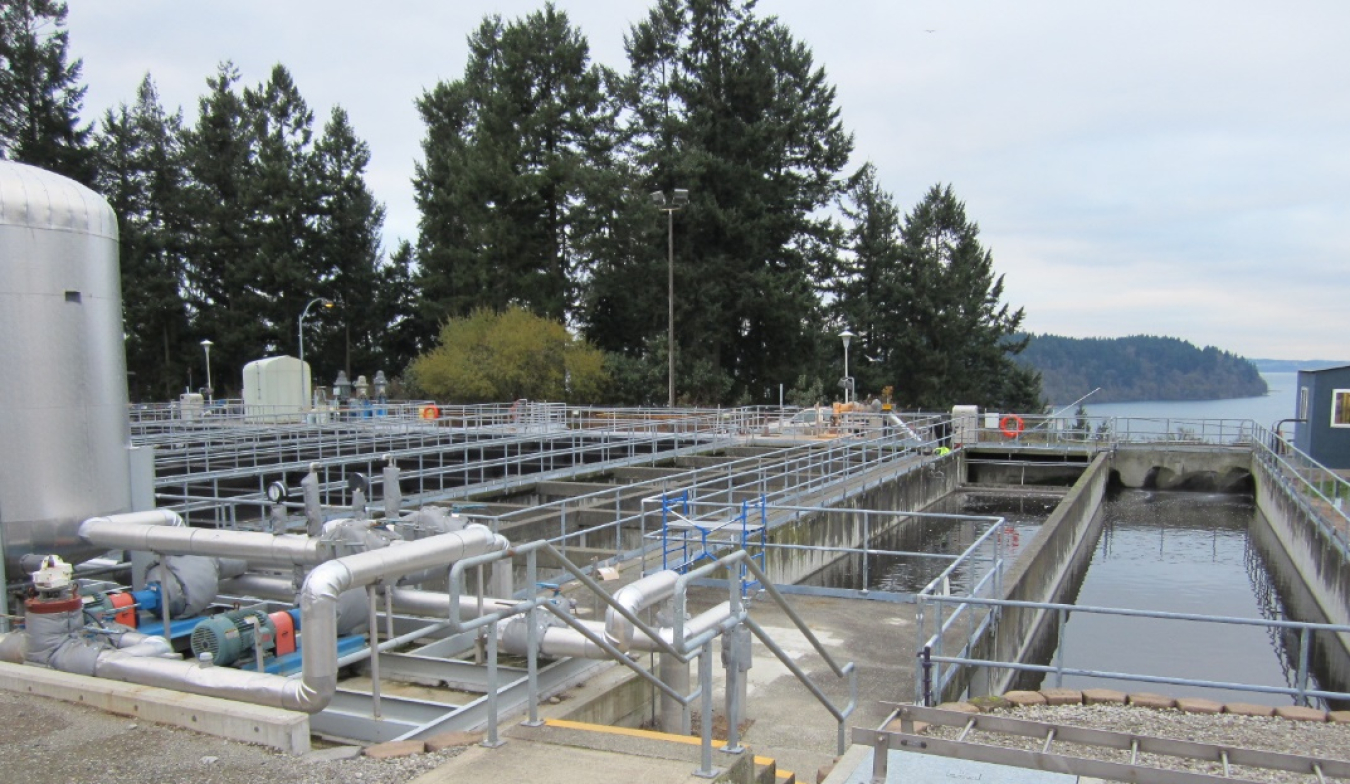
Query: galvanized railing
(941, 678)
(1324, 493)
(682, 647)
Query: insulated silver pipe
(117, 533)
(556, 641)
(405, 600)
(634, 597)
(565, 641)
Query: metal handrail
(681, 647)
(1305, 629)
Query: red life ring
(429, 412)
(1011, 426)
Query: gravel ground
(51, 742)
(1324, 741)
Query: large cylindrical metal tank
(64, 431)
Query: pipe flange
(53, 606)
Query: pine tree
(284, 204)
(731, 107)
(140, 173)
(511, 152)
(222, 245)
(865, 284)
(953, 339)
(40, 93)
(347, 243)
(394, 309)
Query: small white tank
(64, 431)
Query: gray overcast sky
(1168, 168)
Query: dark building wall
(1325, 443)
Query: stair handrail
(742, 558)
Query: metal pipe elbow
(635, 597)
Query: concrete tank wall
(1052, 563)
(1310, 548)
(911, 491)
(63, 382)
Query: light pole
(304, 393)
(846, 336)
(210, 391)
(678, 198)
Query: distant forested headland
(1139, 367)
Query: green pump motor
(229, 636)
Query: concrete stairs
(743, 768)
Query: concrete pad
(959, 707)
(395, 748)
(1103, 697)
(284, 730)
(1198, 705)
(524, 760)
(1298, 713)
(1248, 709)
(1062, 696)
(1338, 717)
(1146, 699)
(446, 740)
(1024, 699)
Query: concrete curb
(287, 731)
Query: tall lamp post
(304, 393)
(678, 198)
(210, 390)
(847, 336)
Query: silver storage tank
(64, 432)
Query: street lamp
(210, 391)
(678, 198)
(304, 393)
(846, 336)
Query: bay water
(1184, 553)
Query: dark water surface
(1022, 515)
(1185, 553)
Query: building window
(1302, 404)
(1340, 408)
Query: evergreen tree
(220, 278)
(953, 340)
(347, 243)
(731, 107)
(866, 284)
(394, 309)
(40, 93)
(510, 154)
(141, 175)
(284, 208)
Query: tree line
(1140, 367)
(535, 193)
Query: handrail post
(532, 641)
(1059, 650)
(705, 688)
(493, 687)
(1304, 652)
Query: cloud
(1145, 166)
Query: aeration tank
(64, 432)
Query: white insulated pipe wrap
(634, 597)
(114, 533)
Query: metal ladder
(679, 531)
(1134, 771)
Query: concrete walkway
(786, 722)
